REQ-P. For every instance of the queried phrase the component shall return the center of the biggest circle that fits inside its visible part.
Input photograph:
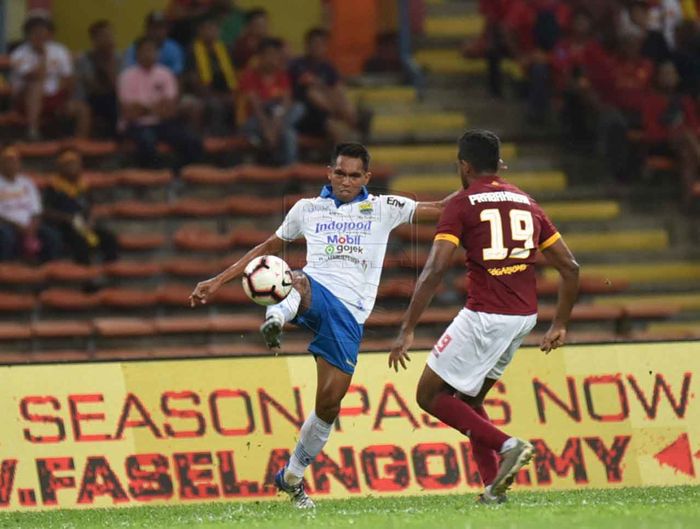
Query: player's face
(347, 178)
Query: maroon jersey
(501, 227)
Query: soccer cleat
(272, 332)
(513, 460)
(486, 498)
(296, 493)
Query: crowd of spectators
(201, 68)
(624, 75)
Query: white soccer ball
(267, 280)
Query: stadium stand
(640, 265)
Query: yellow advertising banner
(86, 435)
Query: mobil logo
(344, 239)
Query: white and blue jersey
(346, 244)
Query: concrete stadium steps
(454, 26)
(452, 62)
(424, 125)
(531, 182)
(649, 273)
(383, 95)
(426, 154)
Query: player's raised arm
(431, 211)
(438, 262)
(560, 257)
(205, 289)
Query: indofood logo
(343, 226)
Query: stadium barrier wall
(85, 435)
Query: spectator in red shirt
(672, 123)
(272, 115)
(256, 29)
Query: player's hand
(399, 351)
(555, 337)
(204, 290)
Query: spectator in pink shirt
(148, 96)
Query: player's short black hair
(314, 33)
(270, 42)
(36, 21)
(481, 148)
(98, 26)
(142, 41)
(252, 14)
(352, 150)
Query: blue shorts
(337, 335)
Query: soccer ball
(267, 280)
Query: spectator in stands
(148, 95)
(637, 20)
(387, 56)
(43, 81)
(232, 20)
(22, 233)
(170, 53)
(317, 85)
(184, 16)
(254, 32)
(686, 57)
(67, 207)
(211, 78)
(272, 113)
(672, 125)
(97, 71)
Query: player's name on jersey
(498, 196)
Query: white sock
(509, 443)
(312, 438)
(285, 311)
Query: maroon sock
(462, 417)
(486, 459)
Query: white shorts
(476, 346)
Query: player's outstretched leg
(437, 398)
(277, 315)
(332, 386)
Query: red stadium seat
(583, 312)
(649, 311)
(183, 325)
(94, 148)
(254, 206)
(223, 145)
(61, 329)
(192, 268)
(123, 327)
(195, 207)
(132, 269)
(175, 295)
(17, 274)
(66, 271)
(232, 294)
(134, 209)
(44, 149)
(15, 331)
(249, 237)
(263, 175)
(16, 302)
(101, 180)
(68, 300)
(200, 240)
(141, 241)
(145, 178)
(208, 175)
(122, 298)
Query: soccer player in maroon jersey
(501, 228)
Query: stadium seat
(134, 209)
(61, 329)
(10, 302)
(249, 237)
(66, 271)
(201, 240)
(258, 174)
(649, 311)
(236, 323)
(232, 294)
(101, 180)
(123, 298)
(214, 145)
(145, 178)
(209, 175)
(195, 207)
(583, 312)
(192, 268)
(182, 325)
(174, 294)
(123, 327)
(132, 269)
(255, 206)
(94, 148)
(68, 300)
(43, 149)
(15, 331)
(140, 241)
(454, 27)
(18, 274)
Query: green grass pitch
(639, 508)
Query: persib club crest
(366, 208)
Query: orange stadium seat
(15, 331)
(67, 271)
(94, 148)
(123, 327)
(249, 237)
(192, 268)
(183, 325)
(263, 175)
(18, 274)
(646, 311)
(67, 299)
(132, 269)
(101, 179)
(200, 240)
(254, 206)
(44, 149)
(16, 302)
(145, 178)
(61, 329)
(583, 312)
(235, 323)
(209, 175)
(223, 145)
(195, 207)
(134, 209)
(175, 294)
(141, 241)
(123, 298)
(231, 295)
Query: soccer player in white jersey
(346, 230)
